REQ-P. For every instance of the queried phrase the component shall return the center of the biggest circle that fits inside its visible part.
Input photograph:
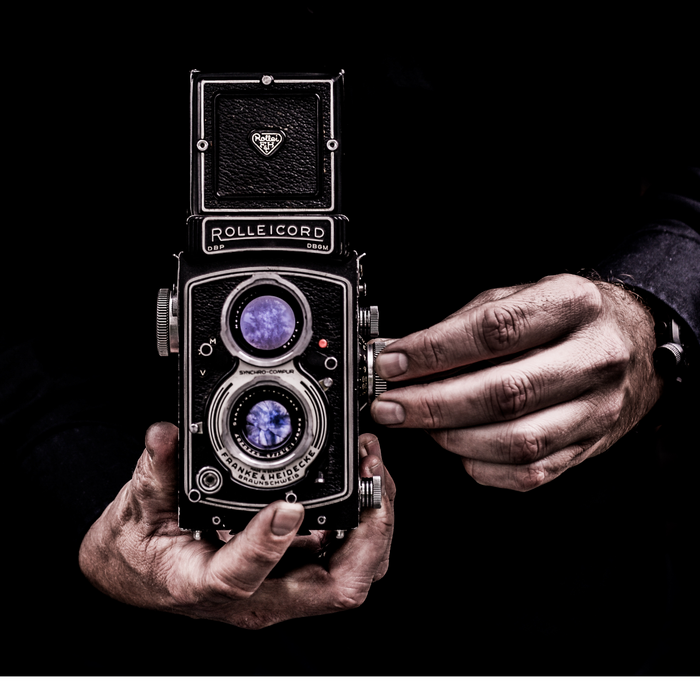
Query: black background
(478, 154)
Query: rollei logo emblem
(266, 141)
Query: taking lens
(268, 424)
(267, 421)
(267, 322)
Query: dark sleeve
(662, 257)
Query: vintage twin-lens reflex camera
(274, 366)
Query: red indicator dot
(323, 343)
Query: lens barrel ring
(309, 431)
(246, 294)
(253, 416)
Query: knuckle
(347, 592)
(430, 409)
(430, 350)
(585, 295)
(579, 299)
(582, 295)
(530, 477)
(502, 326)
(591, 297)
(511, 394)
(348, 598)
(610, 412)
(526, 445)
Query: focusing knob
(166, 323)
(375, 384)
(369, 322)
(371, 492)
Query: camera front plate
(217, 375)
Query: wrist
(676, 352)
(673, 347)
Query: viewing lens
(268, 424)
(267, 322)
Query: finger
(532, 382)
(549, 309)
(237, 569)
(489, 295)
(364, 557)
(371, 459)
(154, 482)
(314, 589)
(533, 437)
(361, 560)
(525, 477)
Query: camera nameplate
(290, 233)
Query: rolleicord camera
(274, 365)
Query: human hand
(136, 553)
(570, 372)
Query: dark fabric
(661, 257)
(465, 170)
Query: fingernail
(285, 520)
(391, 364)
(388, 413)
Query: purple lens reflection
(268, 424)
(267, 322)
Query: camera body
(274, 366)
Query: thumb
(154, 483)
(239, 567)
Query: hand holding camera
(564, 370)
(137, 554)
(273, 371)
